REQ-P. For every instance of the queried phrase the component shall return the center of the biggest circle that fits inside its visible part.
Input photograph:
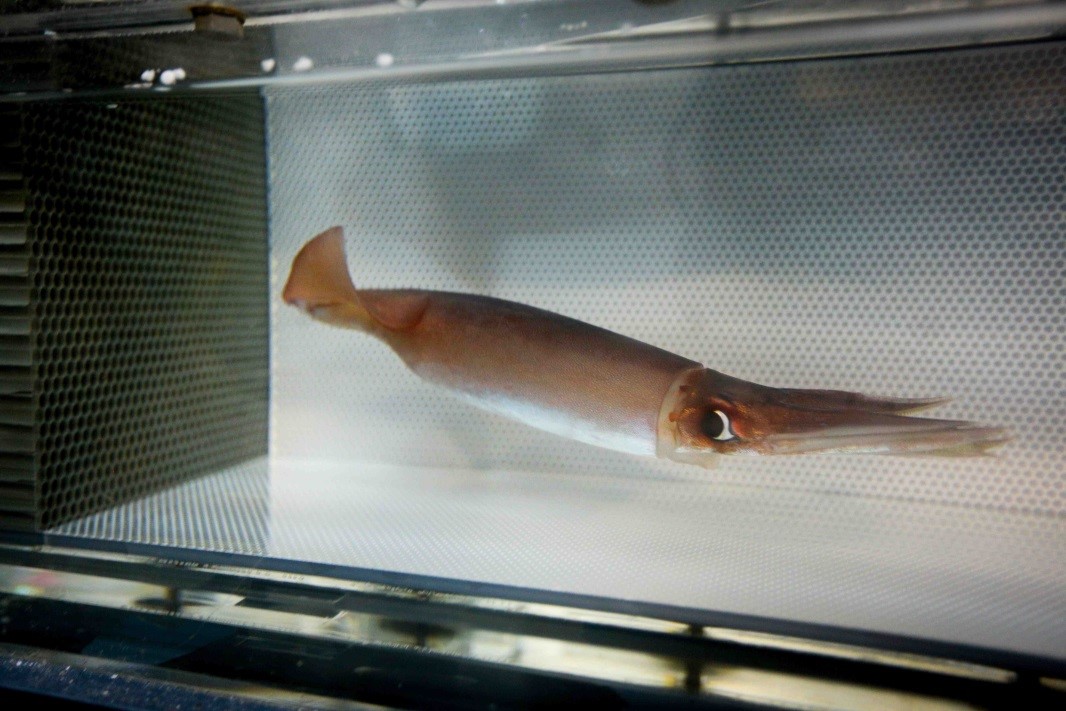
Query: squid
(590, 384)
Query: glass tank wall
(883, 222)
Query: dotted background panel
(890, 225)
(894, 226)
(147, 234)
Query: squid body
(590, 384)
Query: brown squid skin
(590, 384)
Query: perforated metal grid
(147, 234)
(890, 225)
(226, 511)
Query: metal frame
(110, 47)
(299, 632)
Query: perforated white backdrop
(890, 225)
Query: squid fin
(320, 284)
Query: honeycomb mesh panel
(18, 486)
(228, 511)
(147, 230)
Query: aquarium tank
(485, 354)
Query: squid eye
(715, 424)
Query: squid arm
(590, 384)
